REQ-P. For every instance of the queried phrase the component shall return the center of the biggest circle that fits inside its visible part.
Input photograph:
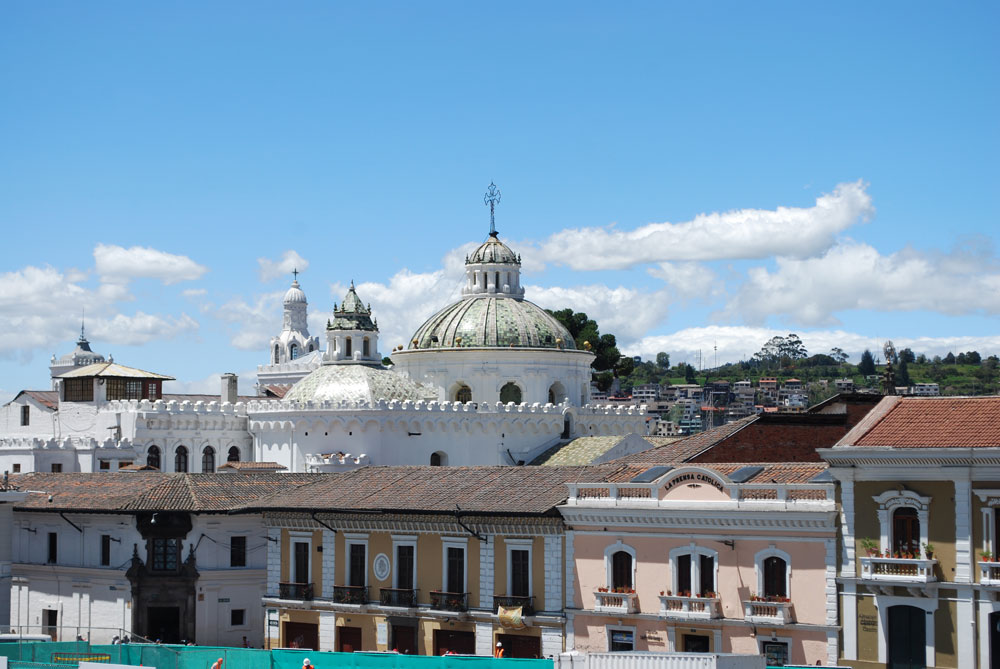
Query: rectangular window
(124, 389)
(775, 653)
(404, 567)
(520, 572)
(301, 561)
(56, 467)
(104, 465)
(238, 552)
(78, 390)
(25, 415)
(707, 575)
(105, 550)
(237, 617)
(17, 468)
(53, 548)
(358, 564)
(622, 641)
(683, 573)
(165, 554)
(456, 569)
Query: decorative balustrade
(989, 573)
(350, 594)
(630, 494)
(301, 591)
(509, 601)
(449, 601)
(616, 602)
(690, 608)
(403, 597)
(899, 570)
(760, 611)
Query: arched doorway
(439, 459)
(907, 638)
(510, 393)
(557, 393)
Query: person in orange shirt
(217, 664)
(499, 651)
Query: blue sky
(693, 175)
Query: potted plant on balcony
(929, 551)
(870, 546)
(987, 556)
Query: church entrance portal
(163, 623)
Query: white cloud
(272, 269)
(116, 264)
(741, 342)
(746, 233)
(212, 384)
(194, 292)
(688, 280)
(856, 276)
(626, 313)
(257, 321)
(140, 328)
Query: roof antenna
(83, 319)
(492, 198)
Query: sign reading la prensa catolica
(694, 477)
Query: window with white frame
(404, 554)
(991, 519)
(453, 568)
(619, 565)
(357, 559)
(519, 577)
(621, 639)
(774, 572)
(300, 557)
(693, 570)
(903, 517)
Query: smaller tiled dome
(295, 295)
(493, 251)
(356, 383)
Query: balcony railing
(449, 601)
(350, 594)
(404, 597)
(989, 573)
(690, 608)
(615, 602)
(509, 601)
(302, 591)
(899, 570)
(767, 612)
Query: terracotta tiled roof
(135, 467)
(150, 491)
(684, 449)
(47, 398)
(276, 390)
(929, 422)
(494, 490)
(253, 466)
(579, 451)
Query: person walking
(499, 651)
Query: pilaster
(964, 567)
(847, 567)
(329, 562)
(487, 572)
(552, 641)
(327, 630)
(570, 572)
(484, 639)
(273, 560)
(553, 566)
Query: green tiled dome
(493, 251)
(489, 321)
(355, 383)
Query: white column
(273, 560)
(487, 571)
(553, 567)
(850, 617)
(965, 622)
(329, 558)
(484, 639)
(327, 630)
(847, 523)
(552, 641)
(963, 531)
(832, 649)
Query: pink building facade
(733, 559)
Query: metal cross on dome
(295, 273)
(492, 198)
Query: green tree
(689, 374)
(867, 365)
(949, 359)
(838, 354)
(973, 358)
(662, 360)
(603, 380)
(903, 372)
(907, 355)
(584, 329)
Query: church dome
(492, 322)
(295, 294)
(493, 251)
(356, 383)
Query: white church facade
(491, 379)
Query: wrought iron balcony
(449, 601)
(403, 597)
(509, 601)
(301, 591)
(689, 608)
(898, 570)
(350, 594)
(616, 602)
(989, 573)
(759, 611)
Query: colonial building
(920, 489)
(720, 558)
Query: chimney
(229, 385)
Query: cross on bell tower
(295, 274)
(492, 198)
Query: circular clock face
(381, 566)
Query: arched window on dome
(208, 460)
(153, 456)
(348, 346)
(463, 394)
(181, 459)
(496, 281)
(234, 455)
(310, 349)
(557, 393)
(366, 347)
(439, 459)
(293, 351)
(509, 284)
(511, 392)
(484, 280)
(277, 354)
